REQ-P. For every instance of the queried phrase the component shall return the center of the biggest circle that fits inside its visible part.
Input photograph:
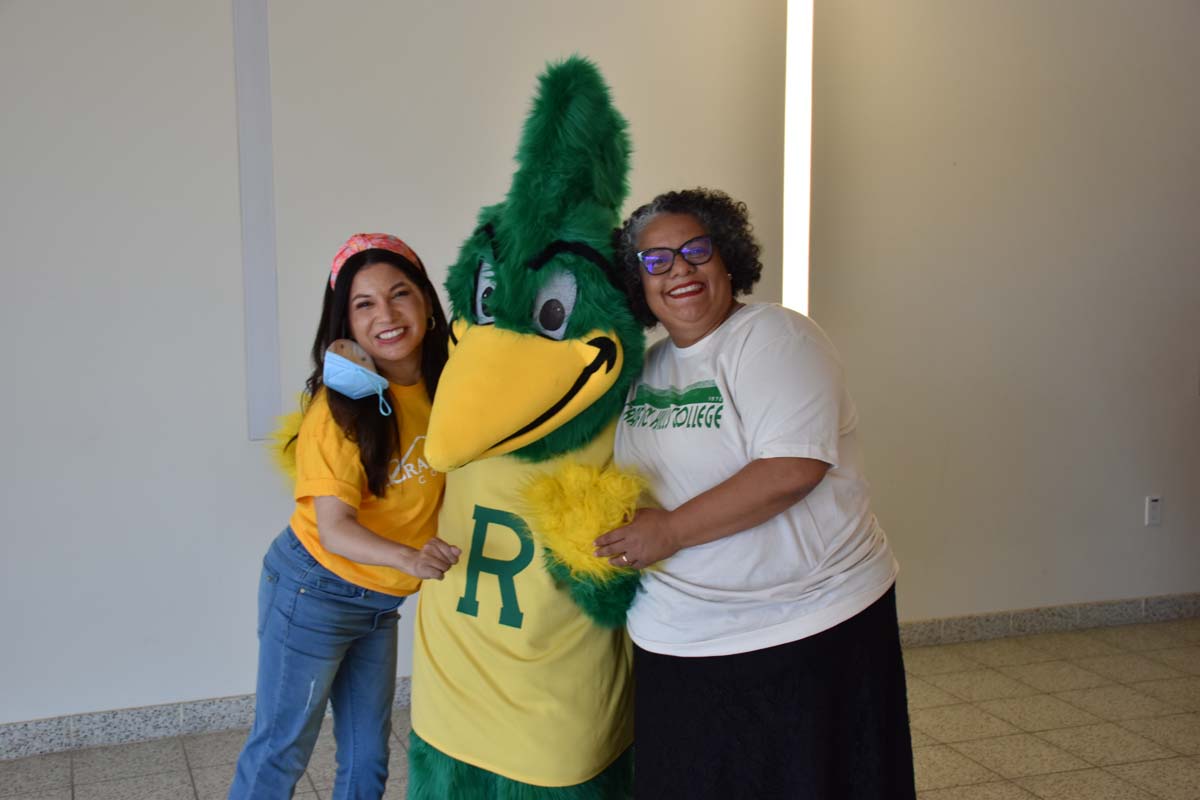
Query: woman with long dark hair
(362, 535)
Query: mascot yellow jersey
(526, 685)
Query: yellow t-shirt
(508, 674)
(327, 464)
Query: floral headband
(371, 241)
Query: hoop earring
(431, 324)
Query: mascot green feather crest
(574, 157)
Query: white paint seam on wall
(797, 154)
(252, 76)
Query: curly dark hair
(726, 220)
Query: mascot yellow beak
(546, 384)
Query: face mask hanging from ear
(350, 371)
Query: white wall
(405, 117)
(133, 504)
(135, 511)
(1005, 240)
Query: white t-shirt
(767, 383)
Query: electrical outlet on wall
(1153, 513)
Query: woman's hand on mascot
(646, 540)
(432, 560)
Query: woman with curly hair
(767, 652)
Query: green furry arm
(567, 509)
(604, 601)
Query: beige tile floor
(1105, 714)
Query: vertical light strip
(797, 154)
(256, 179)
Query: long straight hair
(377, 436)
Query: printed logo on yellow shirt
(505, 570)
(405, 467)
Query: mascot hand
(567, 509)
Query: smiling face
(690, 301)
(388, 316)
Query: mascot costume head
(521, 674)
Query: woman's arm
(759, 491)
(341, 534)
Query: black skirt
(822, 718)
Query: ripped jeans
(320, 639)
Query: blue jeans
(320, 639)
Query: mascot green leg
(433, 775)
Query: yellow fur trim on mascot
(283, 443)
(569, 508)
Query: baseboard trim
(126, 725)
(103, 728)
(1028, 621)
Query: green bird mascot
(521, 672)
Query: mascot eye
(554, 303)
(485, 287)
